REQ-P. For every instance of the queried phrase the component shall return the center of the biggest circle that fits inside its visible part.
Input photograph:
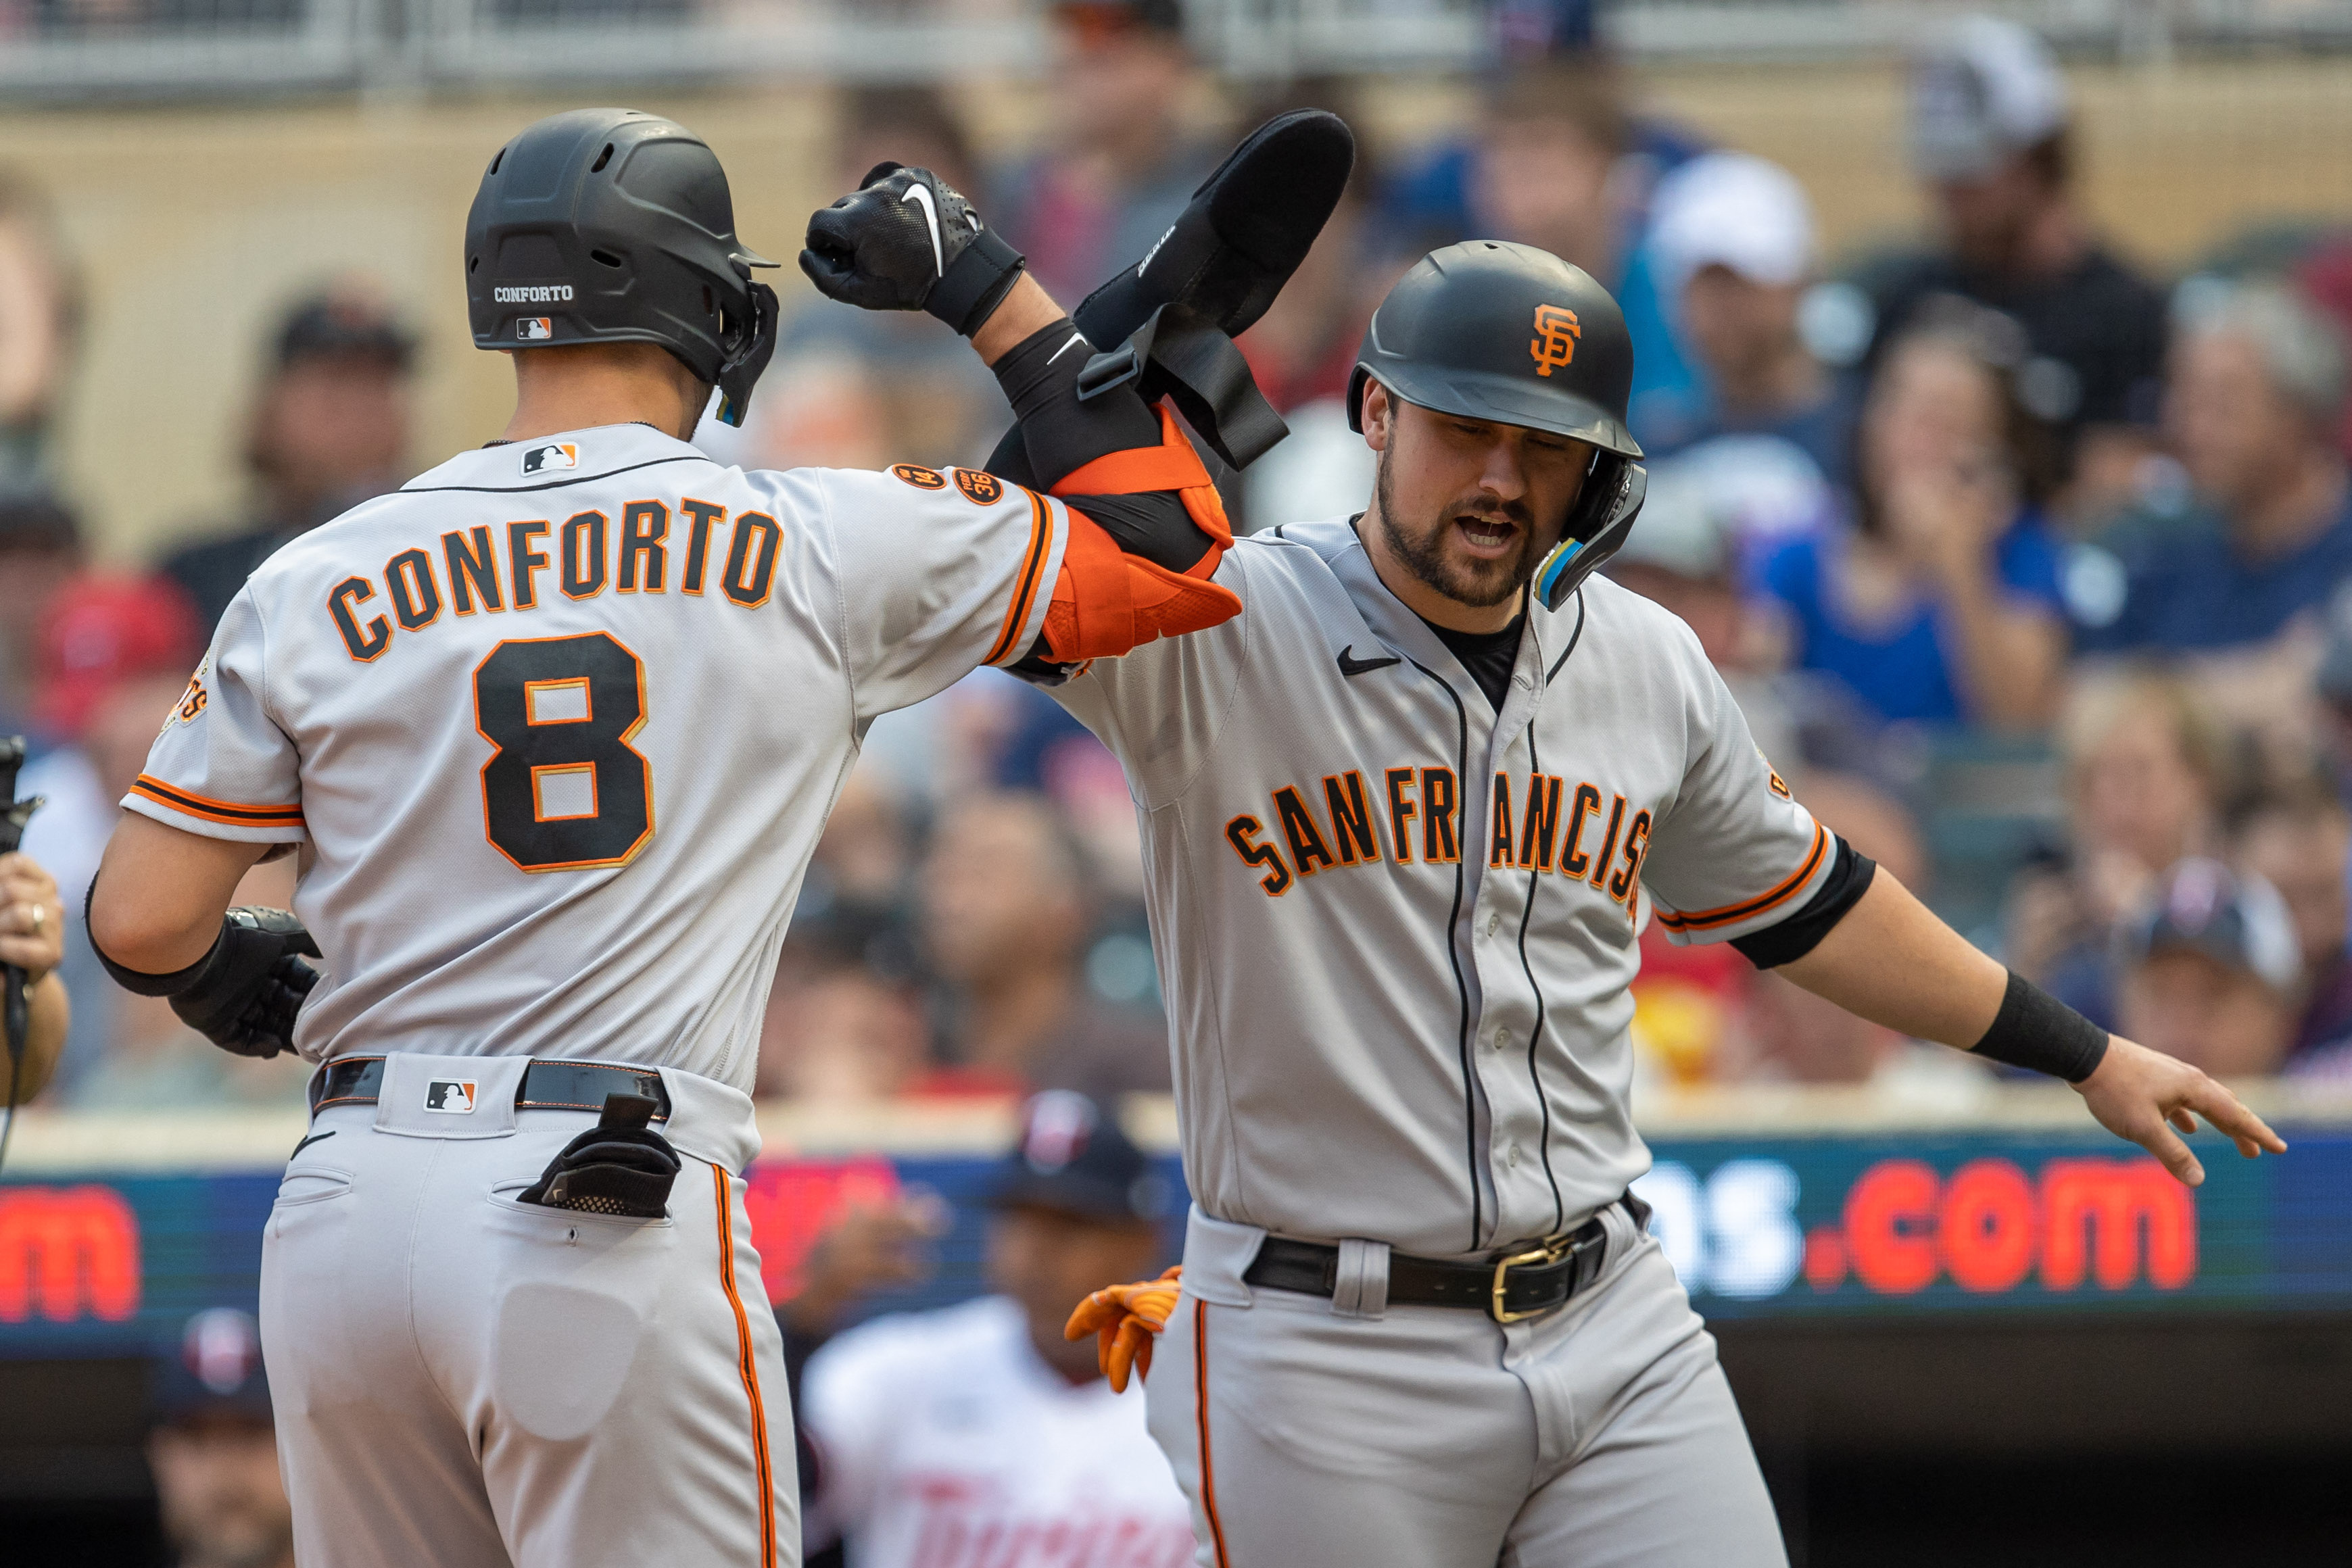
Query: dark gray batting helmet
(1488, 330)
(604, 226)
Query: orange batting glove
(1123, 1319)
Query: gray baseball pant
(1350, 1434)
(469, 1382)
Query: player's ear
(1379, 410)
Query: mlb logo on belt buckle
(452, 1096)
(535, 328)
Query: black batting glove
(252, 984)
(908, 240)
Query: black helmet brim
(1505, 400)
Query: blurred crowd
(2028, 566)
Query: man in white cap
(1733, 235)
(1990, 137)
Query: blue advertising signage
(1813, 1227)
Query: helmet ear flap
(1597, 527)
(1355, 383)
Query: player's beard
(1466, 580)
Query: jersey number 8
(564, 791)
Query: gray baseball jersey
(1395, 928)
(558, 725)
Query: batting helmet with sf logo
(1488, 330)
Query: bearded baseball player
(553, 729)
(1403, 818)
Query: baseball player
(1403, 819)
(553, 729)
(977, 1437)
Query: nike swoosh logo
(920, 195)
(1351, 666)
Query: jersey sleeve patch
(920, 477)
(980, 488)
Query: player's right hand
(1124, 1319)
(247, 1000)
(2143, 1095)
(884, 245)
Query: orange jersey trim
(1731, 914)
(233, 813)
(1024, 593)
(762, 1471)
(1200, 1417)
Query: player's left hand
(887, 245)
(1124, 1319)
(2143, 1095)
(32, 917)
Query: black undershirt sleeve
(1803, 932)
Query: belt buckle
(1549, 1252)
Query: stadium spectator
(862, 389)
(979, 1424)
(2210, 971)
(328, 428)
(2258, 387)
(1733, 235)
(40, 319)
(1005, 910)
(1553, 168)
(2301, 843)
(114, 656)
(1941, 603)
(1991, 136)
(213, 1452)
(41, 552)
(2147, 768)
(1120, 160)
(845, 1025)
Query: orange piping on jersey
(1024, 591)
(1201, 1417)
(228, 811)
(750, 1368)
(1731, 912)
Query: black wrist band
(2037, 1032)
(975, 283)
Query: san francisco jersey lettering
(539, 670)
(1374, 895)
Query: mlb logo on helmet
(1059, 1123)
(1555, 340)
(534, 329)
(452, 1096)
(562, 454)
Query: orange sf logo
(1556, 336)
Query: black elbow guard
(243, 994)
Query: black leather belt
(1517, 1284)
(546, 1085)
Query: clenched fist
(908, 240)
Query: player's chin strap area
(1597, 529)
